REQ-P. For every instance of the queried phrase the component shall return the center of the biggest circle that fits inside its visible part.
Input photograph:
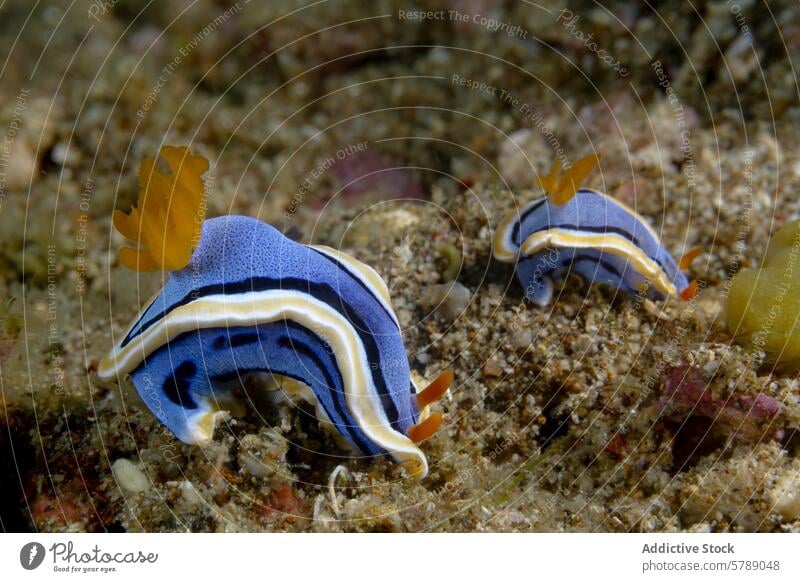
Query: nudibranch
(590, 233)
(249, 299)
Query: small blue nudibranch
(321, 322)
(590, 233)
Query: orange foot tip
(435, 389)
(689, 292)
(425, 429)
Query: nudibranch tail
(561, 189)
(166, 222)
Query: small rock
(63, 155)
(786, 495)
(259, 454)
(21, 169)
(492, 369)
(450, 299)
(253, 466)
(189, 493)
(281, 504)
(522, 339)
(130, 476)
(584, 344)
(741, 59)
(283, 499)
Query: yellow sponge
(764, 304)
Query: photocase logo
(31, 555)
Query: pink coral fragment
(686, 393)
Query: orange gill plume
(561, 188)
(167, 221)
(435, 390)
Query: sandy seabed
(403, 135)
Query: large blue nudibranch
(319, 321)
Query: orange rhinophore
(683, 264)
(435, 389)
(167, 221)
(425, 429)
(688, 257)
(561, 188)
